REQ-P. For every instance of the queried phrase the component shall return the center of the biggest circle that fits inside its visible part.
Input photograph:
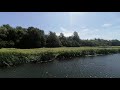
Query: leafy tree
(115, 42)
(76, 37)
(7, 26)
(34, 38)
(63, 39)
(52, 40)
(3, 33)
(21, 32)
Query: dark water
(90, 67)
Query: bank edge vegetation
(13, 57)
(24, 45)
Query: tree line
(32, 37)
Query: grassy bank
(12, 57)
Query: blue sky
(89, 25)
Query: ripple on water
(96, 67)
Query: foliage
(32, 37)
(13, 57)
(52, 40)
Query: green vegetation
(24, 45)
(32, 37)
(13, 57)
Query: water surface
(107, 66)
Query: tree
(7, 34)
(3, 33)
(115, 42)
(52, 40)
(76, 37)
(21, 32)
(63, 39)
(7, 26)
(34, 38)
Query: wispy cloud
(65, 31)
(89, 33)
(107, 25)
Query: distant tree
(63, 39)
(76, 37)
(20, 32)
(8, 35)
(34, 38)
(7, 26)
(70, 41)
(3, 33)
(52, 40)
(75, 40)
(115, 42)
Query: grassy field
(13, 57)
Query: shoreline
(14, 57)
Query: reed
(12, 57)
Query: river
(107, 66)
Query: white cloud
(68, 33)
(89, 33)
(84, 33)
(107, 25)
(65, 32)
(63, 29)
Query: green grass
(13, 57)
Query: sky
(89, 25)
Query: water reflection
(107, 66)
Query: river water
(107, 66)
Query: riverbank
(12, 57)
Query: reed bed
(12, 57)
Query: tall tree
(52, 40)
(34, 38)
(21, 32)
(76, 37)
(63, 39)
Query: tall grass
(13, 57)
